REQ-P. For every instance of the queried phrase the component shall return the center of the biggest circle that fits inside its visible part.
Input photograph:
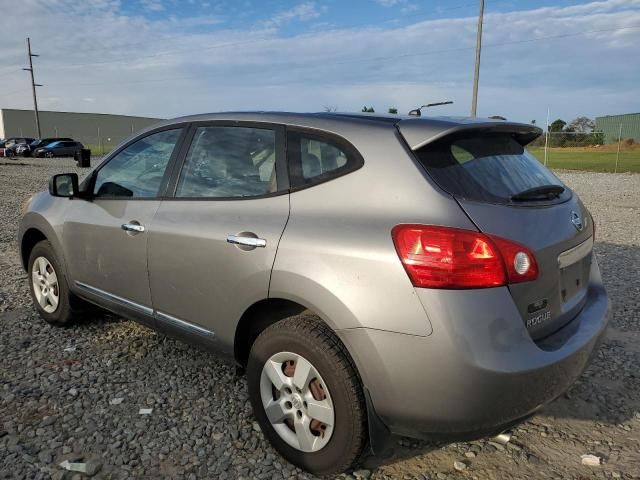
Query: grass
(602, 159)
(97, 149)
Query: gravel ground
(74, 394)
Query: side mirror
(64, 185)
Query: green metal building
(610, 125)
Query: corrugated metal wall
(89, 128)
(610, 125)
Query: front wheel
(49, 154)
(307, 395)
(49, 288)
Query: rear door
(506, 192)
(214, 242)
(68, 148)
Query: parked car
(373, 274)
(58, 149)
(27, 149)
(11, 145)
(22, 149)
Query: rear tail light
(519, 261)
(443, 257)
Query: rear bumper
(479, 371)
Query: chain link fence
(587, 151)
(100, 143)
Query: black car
(60, 148)
(26, 150)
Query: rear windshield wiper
(543, 192)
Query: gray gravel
(57, 386)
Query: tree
(330, 108)
(533, 122)
(393, 111)
(581, 125)
(366, 109)
(557, 125)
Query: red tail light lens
(443, 257)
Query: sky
(166, 58)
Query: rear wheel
(307, 395)
(49, 288)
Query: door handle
(133, 227)
(247, 241)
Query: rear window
(485, 167)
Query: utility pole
(546, 138)
(476, 76)
(33, 85)
(618, 154)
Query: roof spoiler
(418, 133)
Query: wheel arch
(318, 300)
(256, 318)
(34, 228)
(30, 238)
(269, 311)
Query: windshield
(486, 167)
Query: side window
(316, 159)
(137, 171)
(229, 162)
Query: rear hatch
(506, 192)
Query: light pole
(476, 76)
(33, 85)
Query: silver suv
(374, 275)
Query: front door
(214, 243)
(105, 237)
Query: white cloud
(134, 65)
(407, 7)
(303, 12)
(152, 5)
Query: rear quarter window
(315, 157)
(485, 167)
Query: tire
(48, 154)
(68, 306)
(308, 338)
